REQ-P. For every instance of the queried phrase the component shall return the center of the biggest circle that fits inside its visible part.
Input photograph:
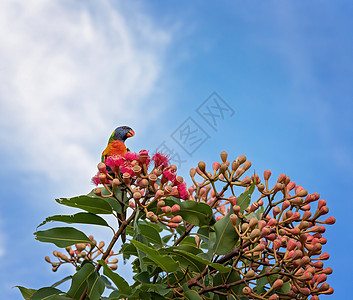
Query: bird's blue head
(122, 133)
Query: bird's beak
(130, 133)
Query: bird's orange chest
(115, 148)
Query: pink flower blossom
(183, 192)
(160, 160)
(114, 162)
(95, 179)
(127, 168)
(169, 175)
(144, 157)
(131, 156)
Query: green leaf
(62, 236)
(95, 286)
(45, 293)
(78, 283)
(165, 262)
(245, 198)
(199, 262)
(80, 218)
(166, 238)
(188, 240)
(114, 203)
(285, 288)
(119, 281)
(26, 293)
(94, 205)
(151, 234)
(107, 283)
(196, 213)
(226, 236)
(61, 281)
(261, 282)
(192, 295)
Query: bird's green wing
(111, 137)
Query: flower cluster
(82, 251)
(147, 188)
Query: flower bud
(255, 233)
(233, 218)
(281, 178)
(175, 208)
(202, 166)
(327, 271)
(277, 284)
(246, 290)
(176, 219)
(236, 209)
(323, 210)
(97, 191)
(324, 256)
(47, 259)
(223, 168)
(290, 186)
(276, 210)
(302, 193)
(285, 205)
(273, 297)
(296, 201)
(166, 209)
(232, 200)
(330, 221)
(247, 165)
(267, 174)
(224, 156)
(160, 203)
(137, 196)
(272, 222)
(245, 181)
(241, 159)
(253, 222)
(250, 274)
(102, 168)
(291, 245)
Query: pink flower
(144, 157)
(127, 168)
(114, 162)
(160, 160)
(95, 179)
(183, 192)
(169, 175)
(131, 156)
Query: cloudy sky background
(73, 71)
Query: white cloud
(71, 71)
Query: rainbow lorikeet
(116, 146)
(116, 143)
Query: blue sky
(71, 73)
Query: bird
(116, 146)
(116, 143)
